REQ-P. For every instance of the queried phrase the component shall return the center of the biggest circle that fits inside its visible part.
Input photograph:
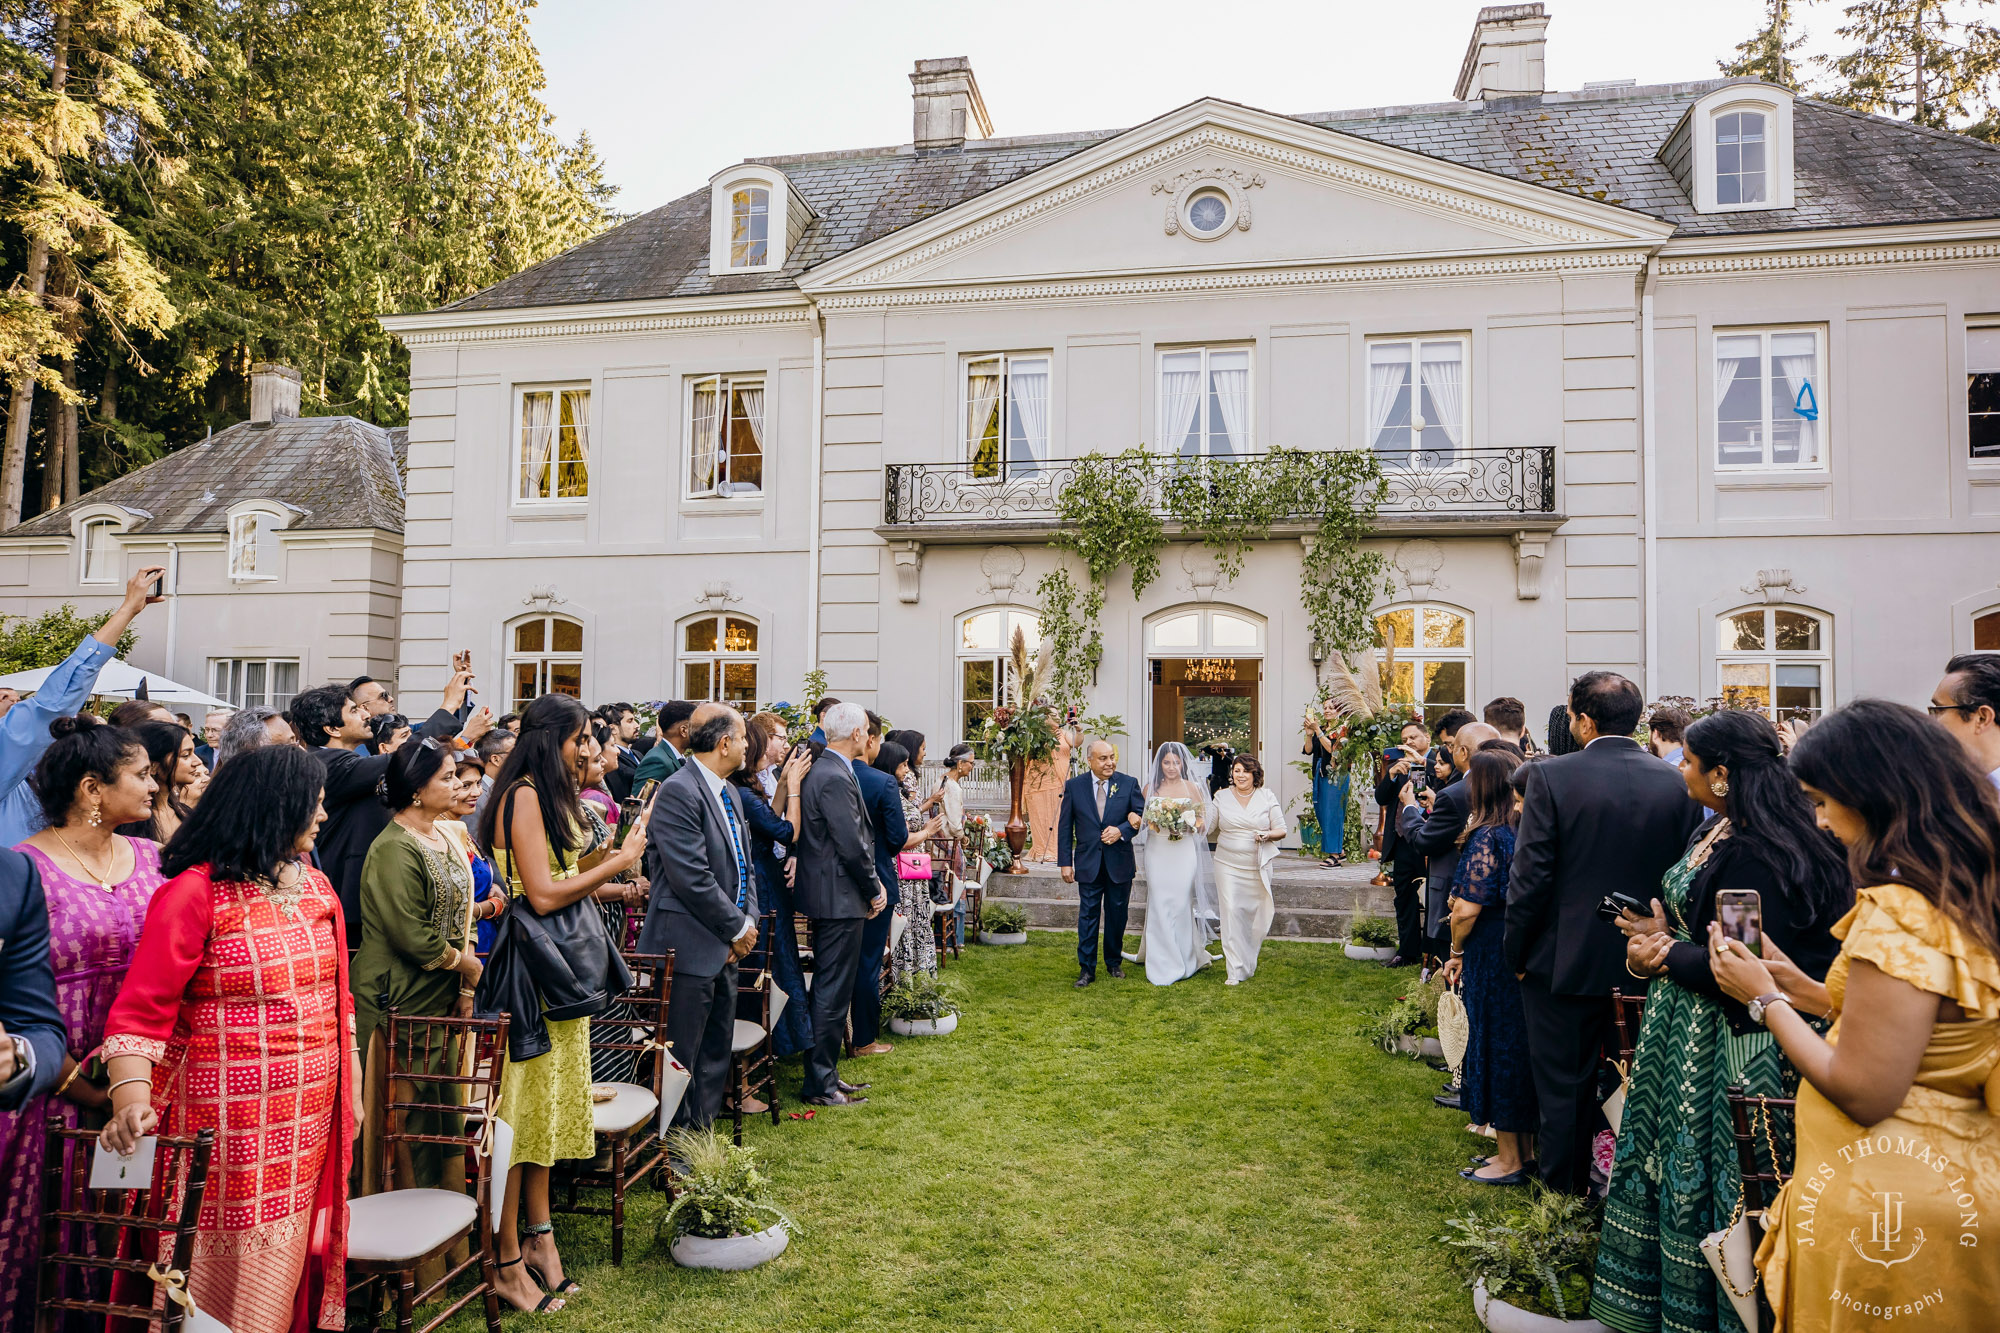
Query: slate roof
(342, 472)
(1850, 169)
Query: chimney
(274, 393)
(1505, 57)
(949, 107)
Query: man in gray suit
(838, 889)
(700, 909)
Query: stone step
(1310, 903)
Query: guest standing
(1249, 826)
(665, 759)
(884, 800)
(534, 829)
(951, 802)
(249, 728)
(838, 890)
(1407, 866)
(1329, 782)
(1967, 703)
(97, 884)
(704, 906)
(1439, 834)
(1611, 817)
(170, 752)
(263, 1054)
(771, 837)
(1915, 998)
(1042, 792)
(1675, 1178)
(916, 951)
(1101, 811)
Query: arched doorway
(1205, 672)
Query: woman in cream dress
(1249, 824)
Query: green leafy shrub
(719, 1190)
(1538, 1255)
(1003, 918)
(1372, 932)
(922, 996)
(28, 642)
(1404, 1018)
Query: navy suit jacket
(884, 800)
(27, 977)
(1079, 825)
(694, 876)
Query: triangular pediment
(1295, 194)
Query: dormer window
(99, 543)
(1739, 158)
(749, 227)
(755, 219)
(1732, 152)
(253, 547)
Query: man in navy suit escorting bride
(1100, 812)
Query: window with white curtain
(555, 445)
(1982, 390)
(1205, 402)
(1416, 401)
(1739, 158)
(749, 227)
(1775, 659)
(726, 436)
(100, 551)
(1006, 414)
(985, 664)
(253, 547)
(1769, 399)
(251, 682)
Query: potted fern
(1530, 1265)
(1371, 939)
(1397, 1028)
(1003, 923)
(921, 1004)
(722, 1216)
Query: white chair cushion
(627, 1111)
(748, 1037)
(404, 1224)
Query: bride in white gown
(1181, 913)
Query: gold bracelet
(1640, 975)
(63, 1086)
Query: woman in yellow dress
(535, 829)
(1897, 1158)
(1041, 794)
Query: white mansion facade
(1699, 382)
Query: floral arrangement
(1025, 728)
(999, 855)
(978, 831)
(1175, 816)
(718, 1189)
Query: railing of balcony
(1469, 483)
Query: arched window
(544, 656)
(100, 551)
(1433, 658)
(1777, 659)
(1193, 633)
(1986, 631)
(719, 660)
(749, 227)
(984, 654)
(1740, 163)
(253, 547)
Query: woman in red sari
(235, 1016)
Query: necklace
(103, 877)
(281, 895)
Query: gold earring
(1720, 786)
(97, 814)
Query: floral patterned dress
(916, 951)
(91, 937)
(1496, 1087)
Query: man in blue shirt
(24, 731)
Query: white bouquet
(1175, 816)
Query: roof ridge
(1876, 118)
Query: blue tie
(742, 861)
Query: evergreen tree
(1917, 59)
(1767, 53)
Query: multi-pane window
(555, 444)
(749, 227)
(253, 547)
(1205, 402)
(544, 656)
(1774, 659)
(1768, 399)
(1739, 158)
(1433, 658)
(726, 437)
(1416, 401)
(250, 682)
(985, 671)
(100, 551)
(1982, 391)
(1986, 632)
(719, 661)
(1006, 414)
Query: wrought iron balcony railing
(1416, 484)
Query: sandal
(549, 1304)
(570, 1285)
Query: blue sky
(674, 92)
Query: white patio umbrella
(119, 679)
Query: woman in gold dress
(1897, 1156)
(1041, 795)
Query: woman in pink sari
(236, 1017)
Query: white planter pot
(731, 1254)
(1003, 937)
(1368, 953)
(1500, 1317)
(1432, 1049)
(924, 1027)
(1408, 1045)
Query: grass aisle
(1122, 1158)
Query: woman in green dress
(1675, 1179)
(534, 828)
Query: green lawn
(1121, 1158)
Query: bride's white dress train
(1174, 945)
